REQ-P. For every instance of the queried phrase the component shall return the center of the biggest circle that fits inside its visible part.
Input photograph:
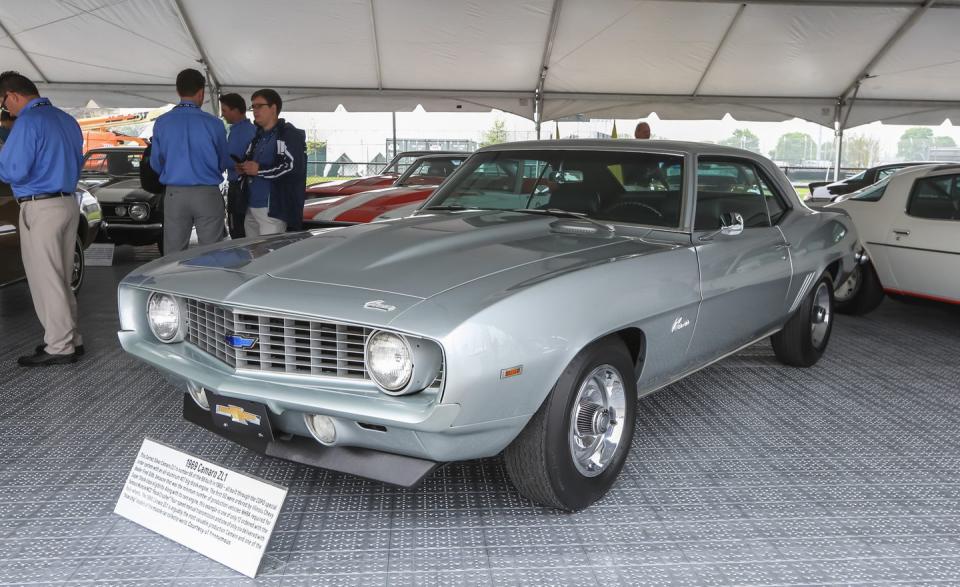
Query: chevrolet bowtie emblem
(238, 415)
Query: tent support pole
(26, 55)
(545, 65)
(394, 117)
(840, 126)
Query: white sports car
(909, 226)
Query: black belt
(36, 197)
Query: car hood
(122, 190)
(349, 186)
(417, 257)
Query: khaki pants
(258, 223)
(48, 233)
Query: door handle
(782, 246)
(901, 232)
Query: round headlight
(139, 211)
(389, 360)
(120, 210)
(163, 314)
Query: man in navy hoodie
(274, 168)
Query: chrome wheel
(596, 422)
(76, 275)
(850, 287)
(821, 315)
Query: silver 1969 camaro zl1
(523, 308)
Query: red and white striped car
(410, 190)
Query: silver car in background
(536, 295)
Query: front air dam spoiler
(385, 467)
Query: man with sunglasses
(189, 151)
(275, 170)
(41, 161)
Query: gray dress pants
(187, 206)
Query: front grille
(283, 344)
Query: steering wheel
(629, 204)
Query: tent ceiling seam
(905, 26)
(376, 46)
(723, 41)
(26, 55)
(188, 27)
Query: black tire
(866, 294)
(79, 266)
(796, 344)
(540, 461)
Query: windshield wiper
(564, 214)
(450, 207)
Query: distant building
(945, 154)
(343, 167)
(430, 145)
(376, 164)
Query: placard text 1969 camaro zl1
(539, 291)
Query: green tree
(915, 143)
(860, 151)
(944, 141)
(743, 138)
(494, 135)
(795, 148)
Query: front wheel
(572, 450)
(79, 266)
(805, 335)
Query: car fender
(535, 329)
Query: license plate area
(240, 417)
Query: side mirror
(731, 224)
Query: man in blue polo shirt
(233, 108)
(41, 161)
(189, 151)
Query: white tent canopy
(765, 60)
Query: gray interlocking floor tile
(747, 473)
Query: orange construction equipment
(96, 133)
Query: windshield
(616, 186)
(430, 171)
(117, 164)
(399, 164)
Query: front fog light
(120, 210)
(389, 360)
(139, 211)
(322, 428)
(199, 395)
(163, 314)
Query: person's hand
(248, 168)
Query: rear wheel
(861, 293)
(806, 334)
(571, 452)
(79, 266)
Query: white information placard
(218, 512)
(99, 255)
